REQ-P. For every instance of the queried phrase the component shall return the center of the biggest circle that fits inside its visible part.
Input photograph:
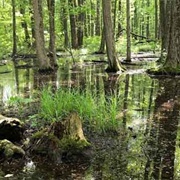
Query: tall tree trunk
(25, 25)
(136, 21)
(115, 17)
(65, 24)
(80, 29)
(173, 57)
(156, 18)
(114, 64)
(43, 61)
(119, 31)
(52, 47)
(148, 21)
(98, 30)
(73, 24)
(32, 25)
(103, 43)
(14, 51)
(128, 22)
(165, 15)
(92, 25)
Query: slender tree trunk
(114, 64)
(65, 24)
(25, 26)
(119, 20)
(165, 15)
(156, 18)
(103, 43)
(33, 45)
(115, 17)
(80, 29)
(14, 51)
(136, 22)
(43, 61)
(148, 21)
(73, 24)
(128, 21)
(52, 40)
(92, 19)
(98, 30)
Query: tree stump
(63, 137)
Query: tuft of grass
(97, 112)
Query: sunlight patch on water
(136, 71)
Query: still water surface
(148, 145)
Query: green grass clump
(96, 111)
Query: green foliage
(92, 43)
(17, 100)
(19, 104)
(145, 47)
(99, 113)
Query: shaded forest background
(77, 24)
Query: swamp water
(147, 146)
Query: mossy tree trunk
(114, 64)
(173, 57)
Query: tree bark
(128, 22)
(65, 24)
(52, 41)
(73, 19)
(156, 18)
(98, 29)
(114, 64)
(14, 51)
(80, 29)
(103, 43)
(165, 15)
(25, 25)
(43, 61)
(173, 56)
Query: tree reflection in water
(161, 143)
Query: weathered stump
(62, 137)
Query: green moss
(53, 138)
(69, 144)
(39, 134)
(9, 149)
(164, 71)
(44, 134)
(49, 140)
